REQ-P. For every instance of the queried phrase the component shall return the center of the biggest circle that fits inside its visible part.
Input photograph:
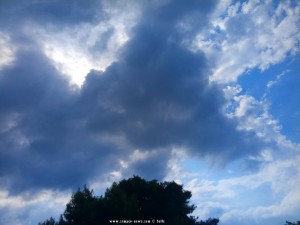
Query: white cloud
(228, 198)
(267, 193)
(80, 48)
(175, 171)
(253, 115)
(249, 35)
(278, 78)
(287, 203)
(7, 50)
(38, 206)
(27, 199)
(72, 50)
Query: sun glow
(76, 65)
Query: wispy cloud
(243, 36)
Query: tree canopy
(292, 223)
(131, 201)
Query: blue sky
(201, 92)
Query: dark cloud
(57, 13)
(154, 98)
(157, 95)
(39, 136)
(153, 166)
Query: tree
(82, 209)
(134, 199)
(292, 223)
(50, 221)
(210, 221)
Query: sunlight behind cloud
(74, 64)
(75, 56)
(78, 49)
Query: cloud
(155, 97)
(30, 208)
(35, 102)
(255, 115)
(87, 45)
(269, 193)
(61, 13)
(145, 103)
(7, 52)
(77, 36)
(239, 38)
(278, 78)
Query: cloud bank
(155, 97)
(98, 91)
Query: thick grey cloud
(42, 140)
(155, 97)
(56, 12)
(158, 94)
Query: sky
(205, 93)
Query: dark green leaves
(131, 200)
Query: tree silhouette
(131, 201)
(50, 221)
(292, 223)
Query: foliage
(292, 223)
(129, 200)
(210, 221)
(50, 221)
